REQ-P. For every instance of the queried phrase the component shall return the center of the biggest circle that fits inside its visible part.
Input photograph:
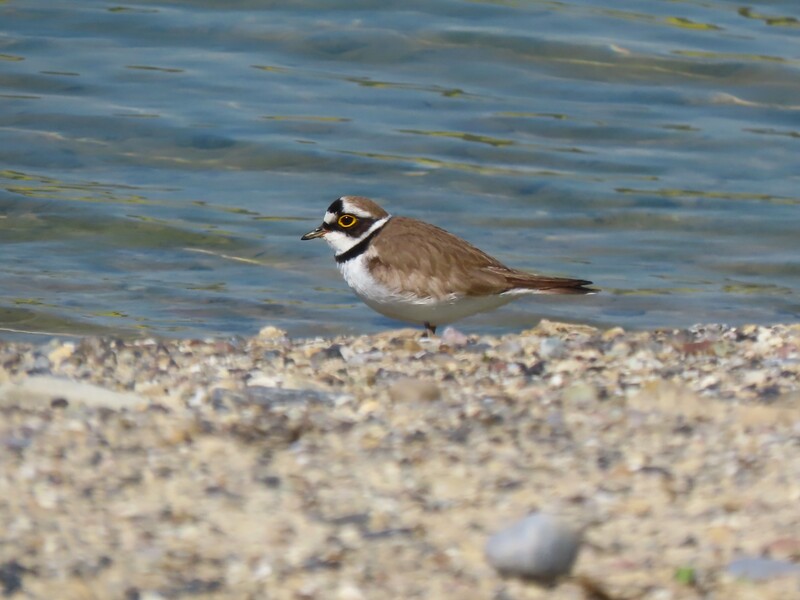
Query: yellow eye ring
(347, 221)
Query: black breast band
(359, 248)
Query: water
(160, 160)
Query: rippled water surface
(160, 160)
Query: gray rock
(510, 347)
(41, 365)
(551, 348)
(760, 569)
(540, 547)
(357, 359)
(330, 353)
(274, 396)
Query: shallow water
(161, 159)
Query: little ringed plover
(412, 271)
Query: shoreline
(378, 465)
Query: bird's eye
(347, 221)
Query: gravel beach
(377, 467)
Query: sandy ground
(378, 466)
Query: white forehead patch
(351, 208)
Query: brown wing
(433, 262)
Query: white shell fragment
(46, 390)
(540, 546)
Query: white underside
(414, 309)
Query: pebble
(758, 569)
(414, 390)
(612, 333)
(540, 546)
(275, 396)
(784, 547)
(453, 337)
(580, 393)
(11, 574)
(271, 333)
(552, 348)
(509, 347)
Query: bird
(415, 272)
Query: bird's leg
(430, 330)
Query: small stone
(786, 548)
(454, 338)
(357, 359)
(347, 353)
(612, 333)
(59, 402)
(697, 348)
(61, 353)
(348, 591)
(535, 369)
(414, 390)
(275, 396)
(411, 345)
(41, 365)
(709, 381)
(271, 332)
(11, 573)
(755, 378)
(580, 393)
(551, 348)
(548, 328)
(540, 547)
(719, 535)
(759, 569)
(332, 352)
(510, 347)
(749, 330)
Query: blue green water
(160, 160)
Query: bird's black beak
(315, 233)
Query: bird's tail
(550, 285)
